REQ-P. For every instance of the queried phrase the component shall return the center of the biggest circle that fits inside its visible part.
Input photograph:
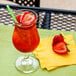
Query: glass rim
(17, 12)
(27, 10)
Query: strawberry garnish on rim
(28, 18)
(19, 18)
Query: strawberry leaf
(61, 35)
(68, 50)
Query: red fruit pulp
(60, 48)
(25, 39)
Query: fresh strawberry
(25, 14)
(19, 18)
(57, 38)
(28, 18)
(60, 48)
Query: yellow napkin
(49, 59)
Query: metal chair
(47, 18)
(33, 3)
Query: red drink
(26, 39)
(25, 36)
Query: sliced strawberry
(57, 38)
(28, 18)
(19, 18)
(60, 48)
(25, 14)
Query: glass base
(27, 64)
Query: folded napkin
(51, 60)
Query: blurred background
(57, 4)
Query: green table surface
(8, 55)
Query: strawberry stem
(66, 43)
(68, 50)
(61, 35)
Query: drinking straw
(10, 11)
